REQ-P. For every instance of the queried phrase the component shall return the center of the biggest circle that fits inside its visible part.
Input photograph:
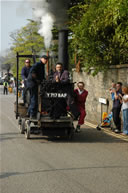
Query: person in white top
(125, 110)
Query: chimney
(63, 48)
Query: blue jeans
(33, 107)
(125, 121)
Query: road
(93, 162)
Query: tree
(75, 14)
(100, 33)
(26, 41)
(76, 2)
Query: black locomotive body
(53, 118)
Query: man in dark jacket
(60, 75)
(36, 75)
(5, 84)
(25, 70)
(24, 75)
(59, 104)
(117, 107)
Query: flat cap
(44, 56)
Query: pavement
(108, 131)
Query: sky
(13, 16)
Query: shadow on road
(9, 174)
(88, 135)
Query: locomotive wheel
(22, 126)
(27, 129)
(70, 133)
(19, 124)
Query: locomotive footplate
(49, 127)
(60, 120)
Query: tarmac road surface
(93, 162)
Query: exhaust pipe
(63, 48)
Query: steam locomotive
(53, 117)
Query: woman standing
(125, 110)
(80, 99)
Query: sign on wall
(103, 101)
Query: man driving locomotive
(60, 75)
(58, 107)
(36, 75)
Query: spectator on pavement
(117, 107)
(5, 84)
(112, 90)
(125, 110)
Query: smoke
(49, 13)
(46, 29)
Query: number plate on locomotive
(56, 95)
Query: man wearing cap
(36, 75)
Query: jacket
(39, 70)
(25, 72)
(80, 99)
(64, 76)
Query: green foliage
(76, 2)
(26, 41)
(100, 33)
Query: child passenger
(112, 90)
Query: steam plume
(50, 12)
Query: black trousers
(116, 117)
(5, 90)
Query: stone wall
(98, 87)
